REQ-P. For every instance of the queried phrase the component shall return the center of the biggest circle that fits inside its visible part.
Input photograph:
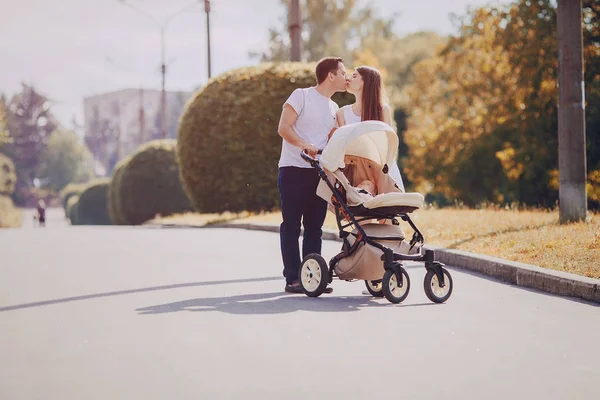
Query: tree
(30, 123)
(4, 134)
(65, 160)
(483, 120)
(329, 28)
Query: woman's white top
(351, 118)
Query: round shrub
(8, 176)
(114, 201)
(149, 184)
(92, 204)
(228, 146)
(10, 216)
(72, 209)
(72, 189)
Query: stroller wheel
(314, 275)
(434, 291)
(375, 288)
(392, 289)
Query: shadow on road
(123, 292)
(272, 303)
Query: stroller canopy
(373, 140)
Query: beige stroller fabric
(355, 153)
(359, 169)
(358, 152)
(365, 263)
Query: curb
(525, 275)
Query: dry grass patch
(197, 219)
(571, 248)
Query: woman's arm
(340, 117)
(386, 115)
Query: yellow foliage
(593, 186)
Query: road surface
(146, 313)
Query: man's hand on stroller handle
(310, 149)
(310, 157)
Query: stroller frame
(392, 262)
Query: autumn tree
(483, 120)
(4, 135)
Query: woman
(367, 86)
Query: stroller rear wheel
(375, 288)
(314, 275)
(394, 291)
(434, 291)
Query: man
(307, 120)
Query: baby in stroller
(367, 187)
(353, 169)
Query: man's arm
(286, 130)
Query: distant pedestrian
(41, 213)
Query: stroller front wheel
(433, 288)
(394, 291)
(314, 275)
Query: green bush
(72, 209)
(72, 189)
(114, 200)
(92, 204)
(149, 184)
(8, 176)
(10, 216)
(228, 146)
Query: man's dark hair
(325, 66)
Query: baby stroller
(374, 244)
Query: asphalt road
(146, 313)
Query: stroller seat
(408, 201)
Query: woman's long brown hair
(371, 96)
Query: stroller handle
(308, 158)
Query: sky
(71, 49)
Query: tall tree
(65, 160)
(329, 28)
(30, 123)
(483, 123)
(4, 134)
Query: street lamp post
(163, 67)
(207, 10)
(295, 27)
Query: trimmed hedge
(114, 200)
(228, 146)
(149, 184)
(10, 216)
(8, 175)
(72, 189)
(71, 209)
(92, 204)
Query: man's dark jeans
(299, 203)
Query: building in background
(116, 123)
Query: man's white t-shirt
(316, 118)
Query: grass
(528, 236)
(10, 216)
